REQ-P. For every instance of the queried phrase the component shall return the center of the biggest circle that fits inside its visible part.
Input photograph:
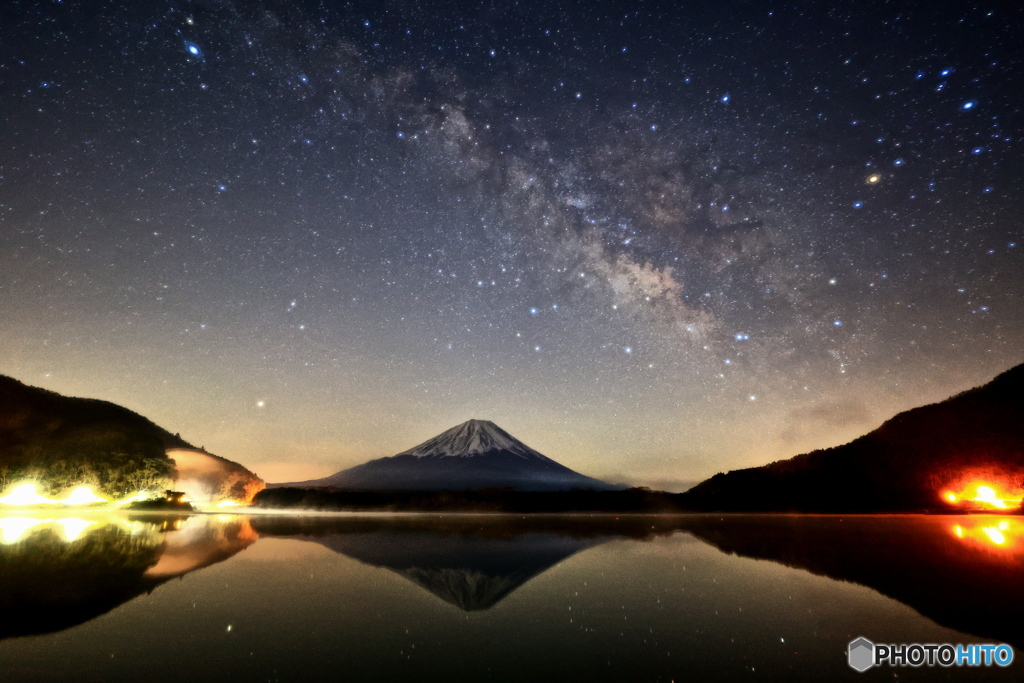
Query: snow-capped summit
(473, 437)
(476, 454)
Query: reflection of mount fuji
(963, 572)
(472, 564)
(470, 572)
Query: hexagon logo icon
(861, 654)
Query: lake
(498, 598)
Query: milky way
(653, 243)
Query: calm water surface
(478, 598)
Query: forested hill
(903, 466)
(59, 441)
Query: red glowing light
(983, 495)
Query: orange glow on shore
(980, 495)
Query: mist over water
(464, 597)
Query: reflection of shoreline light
(73, 527)
(13, 529)
(1001, 533)
(68, 529)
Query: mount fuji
(477, 454)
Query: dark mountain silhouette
(473, 455)
(61, 441)
(30, 413)
(633, 500)
(902, 466)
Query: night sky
(652, 240)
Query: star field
(652, 242)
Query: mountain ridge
(902, 466)
(472, 437)
(475, 454)
(63, 441)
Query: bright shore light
(83, 495)
(25, 494)
(980, 495)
